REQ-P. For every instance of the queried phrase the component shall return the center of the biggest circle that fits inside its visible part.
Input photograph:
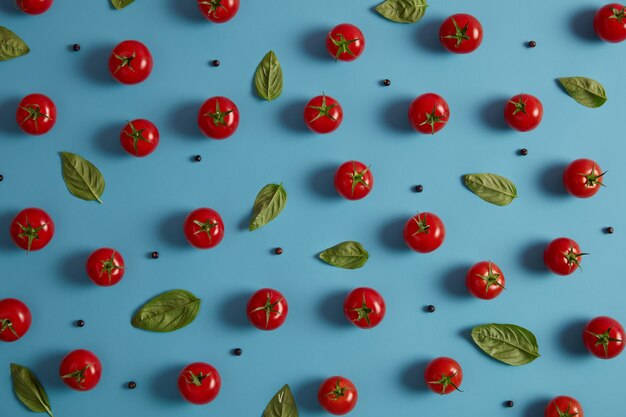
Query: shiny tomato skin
(364, 307)
(130, 62)
(105, 267)
(34, 7)
(353, 180)
(345, 42)
(562, 256)
(36, 114)
(199, 383)
(485, 280)
(583, 178)
(424, 232)
(204, 228)
(564, 406)
(604, 337)
(610, 23)
(218, 117)
(139, 137)
(80, 370)
(429, 113)
(15, 319)
(35, 227)
(267, 309)
(218, 11)
(523, 112)
(337, 395)
(443, 375)
(458, 38)
(323, 114)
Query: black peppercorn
(431, 308)
(523, 152)
(419, 188)
(197, 158)
(76, 47)
(215, 63)
(386, 82)
(237, 352)
(1, 177)
(278, 251)
(132, 385)
(509, 403)
(610, 230)
(532, 44)
(155, 255)
(80, 323)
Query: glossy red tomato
(523, 112)
(461, 33)
(429, 113)
(353, 180)
(443, 375)
(80, 370)
(139, 137)
(485, 280)
(345, 42)
(610, 23)
(424, 232)
(199, 383)
(218, 118)
(36, 114)
(15, 319)
(32, 229)
(130, 62)
(105, 267)
(34, 6)
(323, 114)
(267, 309)
(583, 178)
(218, 11)
(562, 256)
(204, 228)
(563, 406)
(337, 395)
(604, 337)
(364, 307)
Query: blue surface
(147, 199)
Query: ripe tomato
(218, 118)
(199, 383)
(15, 319)
(80, 370)
(218, 11)
(429, 113)
(563, 406)
(36, 114)
(105, 267)
(461, 33)
(562, 256)
(443, 375)
(323, 114)
(34, 6)
(364, 307)
(353, 180)
(583, 178)
(32, 229)
(204, 228)
(267, 309)
(139, 137)
(485, 280)
(130, 62)
(604, 337)
(523, 112)
(337, 395)
(424, 232)
(610, 23)
(345, 42)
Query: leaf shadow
(96, 64)
(536, 407)
(551, 179)
(570, 337)
(8, 107)
(184, 119)
(72, 268)
(306, 394)
(314, 43)
(244, 224)
(6, 218)
(392, 233)
(492, 113)
(107, 139)
(454, 280)
(322, 181)
(187, 10)
(427, 35)
(331, 308)
(532, 256)
(233, 309)
(171, 229)
(163, 384)
(291, 115)
(412, 376)
(581, 24)
(396, 114)
(46, 368)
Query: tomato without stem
(80, 370)
(353, 180)
(15, 319)
(267, 309)
(36, 114)
(429, 113)
(604, 337)
(32, 229)
(424, 232)
(345, 42)
(218, 11)
(583, 178)
(130, 62)
(610, 23)
(105, 267)
(443, 375)
(337, 395)
(218, 118)
(563, 406)
(562, 256)
(461, 33)
(34, 7)
(364, 307)
(204, 228)
(199, 383)
(523, 112)
(485, 280)
(323, 114)
(139, 137)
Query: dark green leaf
(11, 45)
(586, 91)
(120, 4)
(81, 177)
(282, 404)
(29, 390)
(492, 188)
(402, 11)
(269, 203)
(167, 312)
(269, 77)
(348, 255)
(507, 343)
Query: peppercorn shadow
(453, 281)
(551, 179)
(184, 119)
(427, 35)
(306, 394)
(233, 309)
(492, 113)
(314, 43)
(96, 63)
(187, 10)
(291, 115)
(171, 228)
(8, 123)
(581, 24)
(331, 308)
(322, 180)
(107, 139)
(164, 384)
(392, 233)
(412, 377)
(396, 116)
(571, 337)
(72, 268)
(536, 407)
(532, 256)
(46, 367)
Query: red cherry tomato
(267, 309)
(523, 112)
(604, 337)
(610, 23)
(424, 232)
(443, 375)
(353, 180)
(34, 7)
(218, 11)
(323, 114)
(583, 178)
(461, 33)
(337, 395)
(139, 137)
(429, 113)
(130, 62)
(36, 114)
(485, 280)
(562, 256)
(218, 118)
(80, 370)
(105, 267)
(199, 383)
(563, 406)
(15, 319)
(204, 228)
(345, 42)
(364, 307)
(32, 229)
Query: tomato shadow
(96, 63)
(163, 384)
(532, 257)
(412, 377)
(10, 7)
(7, 115)
(396, 116)
(570, 338)
(492, 113)
(187, 10)
(184, 119)
(72, 268)
(536, 407)
(551, 179)
(314, 43)
(331, 308)
(6, 218)
(392, 233)
(454, 281)
(291, 116)
(322, 181)
(108, 139)
(427, 35)
(581, 24)
(46, 367)
(171, 229)
(233, 309)
(306, 395)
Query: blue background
(146, 201)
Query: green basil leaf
(120, 4)
(282, 404)
(507, 343)
(29, 390)
(348, 255)
(81, 177)
(586, 91)
(269, 203)
(402, 11)
(268, 77)
(492, 188)
(11, 45)
(167, 312)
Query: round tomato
(34, 6)
(204, 228)
(323, 114)
(15, 319)
(139, 137)
(337, 395)
(199, 383)
(36, 114)
(424, 232)
(218, 118)
(429, 113)
(218, 11)
(345, 42)
(443, 375)
(267, 309)
(604, 337)
(562, 256)
(610, 23)
(32, 229)
(130, 62)
(563, 406)
(583, 178)
(105, 267)
(523, 112)
(461, 33)
(80, 370)
(353, 180)
(485, 280)
(364, 307)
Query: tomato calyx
(445, 382)
(136, 136)
(78, 375)
(592, 179)
(618, 14)
(357, 177)
(30, 232)
(324, 110)
(6, 324)
(572, 257)
(268, 307)
(196, 379)
(520, 105)
(460, 35)
(125, 61)
(565, 413)
(490, 279)
(338, 391)
(432, 119)
(422, 225)
(215, 5)
(343, 45)
(34, 113)
(363, 312)
(604, 339)
(108, 266)
(218, 116)
(205, 227)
